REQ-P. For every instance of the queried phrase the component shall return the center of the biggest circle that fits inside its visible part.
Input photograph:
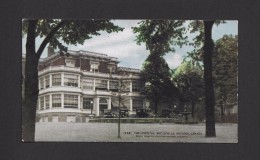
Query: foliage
(70, 31)
(159, 37)
(163, 34)
(188, 78)
(159, 87)
(225, 71)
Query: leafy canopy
(71, 32)
(163, 34)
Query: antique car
(143, 113)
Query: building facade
(75, 84)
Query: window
(47, 102)
(70, 63)
(41, 103)
(87, 84)
(111, 69)
(47, 81)
(41, 83)
(70, 101)
(56, 100)
(101, 84)
(71, 80)
(113, 85)
(94, 66)
(136, 86)
(125, 86)
(137, 103)
(87, 103)
(56, 80)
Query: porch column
(97, 106)
(130, 87)
(131, 104)
(50, 80)
(109, 103)
(62, 100)
(50, 101)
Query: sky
(123, 46)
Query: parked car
(144, 113)
(109, 115)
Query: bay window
(70, 80)
(47, 81)
(56, 80)
(41, 83)
(41, 103)
(113, 85)
(47, 102)
(87, 84)
(70, 101)
(101, 84)
(56, 100)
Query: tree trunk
(209, 90)
(31, 86)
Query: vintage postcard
(130, 80)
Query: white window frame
(56, 81)
(47, 81)
(87, 83)
(94, 66)
(55, 99)
(70, 62)
(47, 101)
(71, 80)
(71, 101)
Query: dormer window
(94, 66)
(111, 69)
(70, 62)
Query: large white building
(79, 83)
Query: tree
(209, 89)
(160, 88)
(189, 80)
(53, 31)
(225, 72)
(159, 36)
(204, 28)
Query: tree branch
(48, 38)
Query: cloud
(173, 59)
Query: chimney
(50, 50)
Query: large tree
(53, 32)
(204, 46)
(188, 78)
(159, 37)
(225, 72)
